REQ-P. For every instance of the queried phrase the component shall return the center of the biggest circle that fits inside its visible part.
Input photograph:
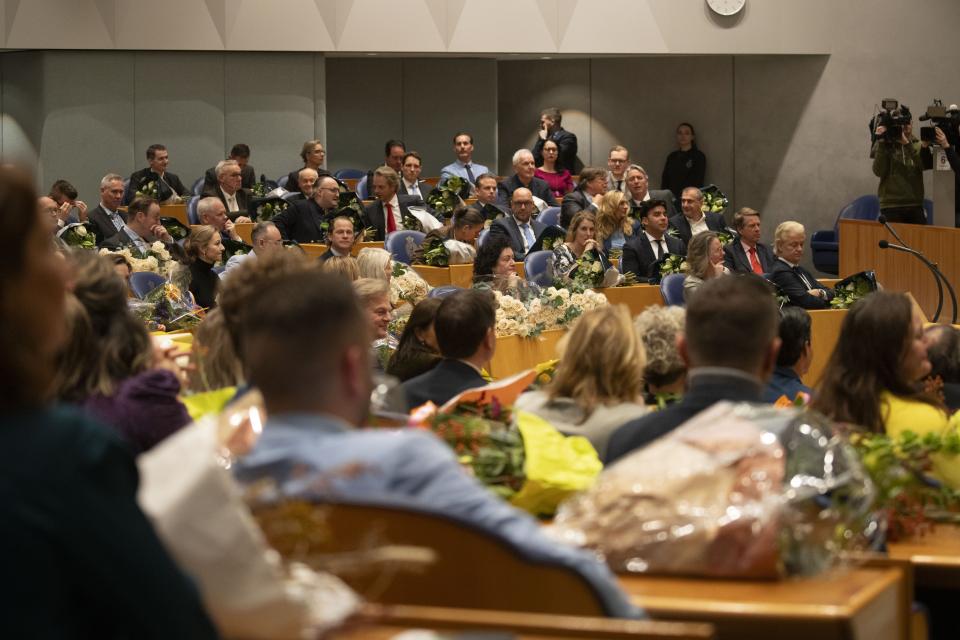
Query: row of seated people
(87, 350)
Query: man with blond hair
(617, 162)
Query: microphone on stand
(936, 276)
(882, 219)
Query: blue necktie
(528, 234)
(469, 174)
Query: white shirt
(413, 188)
(639, 202)
(698, 227)
(654, 243)
(397, 217)
(114, 217)
(231, 201)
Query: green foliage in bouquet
(435, 254)
(725, 237)
(486, 443)
(898, 466)
(714, 200)
(267, 210)
(260, 189)
(176, 229)
(673, 263)
(852, 289)
(79, 236)
(589, 271)
(446, 197)
(172, 309)
(234, 248)
(147, 189)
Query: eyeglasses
(523, 204)
(616, 161)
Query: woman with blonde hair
(581, 237)
(204, 248)
(599, 381)
(374, 262)
(704, 261)
(614, 227)
(345, 266)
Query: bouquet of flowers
(148, 188)
(172, 309)
(406, 285)
(267, 209)
(553, 308)
(908, 499)
(260, 189)
(435, 253)
(78, 235)
(155, 260)
(714, 200)
(725, 237)
(673, 263)
(851, 289)
(550, 238)
(447, 196)
(177, 230)
(490, 215)
(235, 248)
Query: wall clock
(726, 7)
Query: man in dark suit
(235, 199)
(487, 204)
(106, 219)
(464, 325)
(730, 346)
(520, 230)
(168, 185)
(340, 238)
(550, 129)
(303, 220)
(410, 182)
(241, 154)
(387, 214)
(641, 252)
(593, 184)
(638, 192)
(794, 281)
(693, 220)
(212, 212)
(746, 254)
(524, 168)
(142, 229)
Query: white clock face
(726, 7)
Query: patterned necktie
(528, 235)
(391, 223)
(755, 262)
(469, 173)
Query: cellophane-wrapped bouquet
(740, 490)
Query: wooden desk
(460, 275)
(178, 211)
(637, 297)
(935, 557)
(376, 621)
(824, 332)
(897, 271)
(245, 231)
(860, 603)
(515, 354)
(313, 251)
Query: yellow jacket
(901, 415)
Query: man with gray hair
(211, 211)
(693, 220)
(106, 219)
(234, 199)
(387, 213)
(523, 170)
(265, 239)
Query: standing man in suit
(411, 184)
(617, 163)
(643, 251)
(105, 217)
(303, 220)
(169, 188)
(387, 213)
(638, 192)
(235, 199)
(241, 154)
(551, 129)
(487, 203)
(586, 197)
(730, 346)
(794, 281)
(340, 239)
(520, 230)
(213, 212)
(142, 229)
(463, 166)
(523, 170)
(693, 220)
(465, 327)
(746, 254)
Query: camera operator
(899, 162)
(954, 161)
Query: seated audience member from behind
(943, 351)
(375, 263)
(641, 252)
(899, 160)
(796, 354)
(317, 392)
(265, 238)
(340, 238)
(746, 254)
(599, 381)
(665, 375)
(795, 282)
(465, 334)
(730, 346)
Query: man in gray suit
(518, 227)
(638, 192)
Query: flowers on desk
(673, 263)
(446, 197)
(168, 307)
(177, 230)
(148, 188)
(725, 237)
(155, 260)
(435, 254)
(553, 308)
(267, 210)
(741, 490)
(909, 500)
(406, 285)
(78, 235)
(851, 289)
(714, 200)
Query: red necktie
(754, 262)
(391, 223)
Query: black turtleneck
(203, 283)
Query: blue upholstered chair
(349, 174)
(538, 268)
(143, 282)
(396, 244)
(671, 288)
(550, 216)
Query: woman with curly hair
(614, 226)
(665, 375)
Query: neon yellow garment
(901, 415)
(201, 404)
(556, 465)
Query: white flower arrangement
(156, 261)
(406, 285)
(553, 309)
